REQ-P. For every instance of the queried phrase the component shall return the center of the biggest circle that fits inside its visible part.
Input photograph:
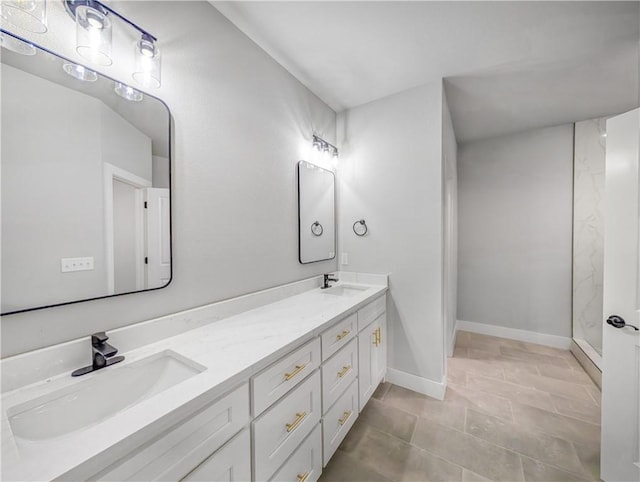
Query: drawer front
(271, 384)
(338, 372)
(280, 429)
(305, 465)
(229, 464)
(190, 442)
(337, 422)
(339, 335)
(370, 312)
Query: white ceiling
(510, 66)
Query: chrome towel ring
(362, 230)
(316, 229)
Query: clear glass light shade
(80, 72)
(93, 35)
(30, 15)
(148, 63)
(15, 45)
(129, 93)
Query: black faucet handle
(99, 338)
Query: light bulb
(16, 45)
(80, 72)
(129, 93)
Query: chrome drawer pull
(299, 418)
(299, 368)
(345, 417)
(344, 371)
(343, 334)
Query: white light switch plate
(76, 264)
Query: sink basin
(345, 290)
(103, 394)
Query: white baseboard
(554, 341)
(416, 383)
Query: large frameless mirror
(85, 183)
(316, 213)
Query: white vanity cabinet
(284, 422)
(372, 348)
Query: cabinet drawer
(339, 335)
(187, 444)
(338, 420)
(282, 376)
(229, 464)
(280, 429)
(305, 465)
(338, 372)
(370, 312)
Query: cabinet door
(380, 350)
(366, 371)
(229, 464)
(372, 358)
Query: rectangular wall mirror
(85, 183)
(316, 213)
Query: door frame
(116, 173)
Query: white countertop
(231, 350)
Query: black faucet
(102, 354)
(326, 279)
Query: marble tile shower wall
(588, 230)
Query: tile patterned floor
(513, 411)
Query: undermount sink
(345, 290)
(103, 394)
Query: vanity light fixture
(129, 93)
(148, 62)
(80, 72)
(93, 34)
(16, 45)
(29, 15)
(93, 39)
(323, 146)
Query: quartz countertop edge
(231, 350)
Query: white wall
(450, 225)
(161, 168)
(515, 224)
(116, 133)
(125, 240)
(390, 174)
(240, 124)
(588, 230)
